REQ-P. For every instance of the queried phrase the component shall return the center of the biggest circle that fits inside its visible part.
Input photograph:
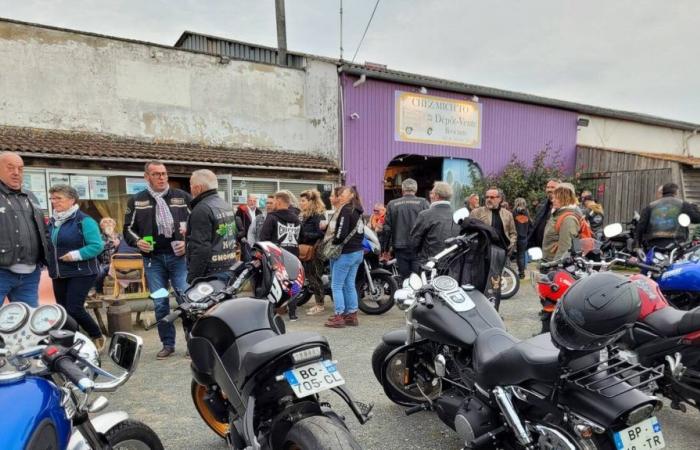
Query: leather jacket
(432, 227)
(659, 220)
(401, 214)
(13, 240)
(211, 236)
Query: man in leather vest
(211, 229)
(658, 225)
(401, 214)
(23, 244)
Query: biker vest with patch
(663, 219)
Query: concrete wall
(631, 136)
(70, 81)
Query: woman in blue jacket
(74, 245)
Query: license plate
(313, 378)
(645, 435)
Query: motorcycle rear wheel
(380, 301)
(198, 393)
(510, 283)
(319, 432)
(133, 435)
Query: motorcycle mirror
(612, 230)
(535, 253)
(125, 350)
(415, 282)
(460, 215)
(684, 220)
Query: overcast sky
(635, 55)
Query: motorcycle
(254, 385)
(47, 374)
(662, 337)
(622, 240)
(375, 284)
(455, 358)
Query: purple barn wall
(507, 128)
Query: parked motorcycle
(455, 358)
(252, 384)
(622, 241)
(47, 374)
(375, 283)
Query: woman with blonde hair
(312, 213)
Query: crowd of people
(182, 236)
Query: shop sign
(437, 120)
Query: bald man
(211, 229)
(23, 245)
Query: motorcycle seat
(670, 321)
(502, 359)
(264, 351)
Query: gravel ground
(159, 392)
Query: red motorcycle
(663, 337)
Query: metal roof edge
(472, 89)
(681, 159)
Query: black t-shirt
(497, 223)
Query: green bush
(519, 179)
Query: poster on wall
(459, 174)
(239, 196)
(262, 200)
(98, 188)
(135, 185)
(81, 183)
(58, 178)
(437, 120)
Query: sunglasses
(493, 196)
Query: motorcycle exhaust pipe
(506, 406)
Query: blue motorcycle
(679, 275)
(47, 373)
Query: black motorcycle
(375, 283)
(455, 358)
(252, 384)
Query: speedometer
(13, 316)
(47, 318)
(200, 291)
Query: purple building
(398, 125)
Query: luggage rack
(614, 376)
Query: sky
(633, 55)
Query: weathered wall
(64, 80)
(631, 136)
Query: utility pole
(281, 33)
(341, 30)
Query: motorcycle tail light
(306, 355)
(639, 414)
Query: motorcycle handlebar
(428, 300)
(61, 361)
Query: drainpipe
(362, 79)
(686, 146)
(281, 33)
(341, 128)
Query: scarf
(164, 218)
(60, 217)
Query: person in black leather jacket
(434, 224)
(658, 225)
(401, 214)
(211, 229)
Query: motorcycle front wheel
(379, 300)
(319, 433)
(133, 435)
(199, 393)
(510, 283)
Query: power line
(366, 28)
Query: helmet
(281, 275)
(595, 312)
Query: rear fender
(381, 272)
(397, 337)
(286, 419)
(102, 424)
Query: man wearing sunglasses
(497, 217)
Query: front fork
(408, 370)
(368, 275)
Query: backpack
(585, 231)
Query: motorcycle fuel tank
(443, 324)
(32, 414)
(682, 276)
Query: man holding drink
(155, 222)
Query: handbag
(306, 252)
(329, 250)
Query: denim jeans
(71, 293)
(161, 268)
(344, 271)
(19, 287)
